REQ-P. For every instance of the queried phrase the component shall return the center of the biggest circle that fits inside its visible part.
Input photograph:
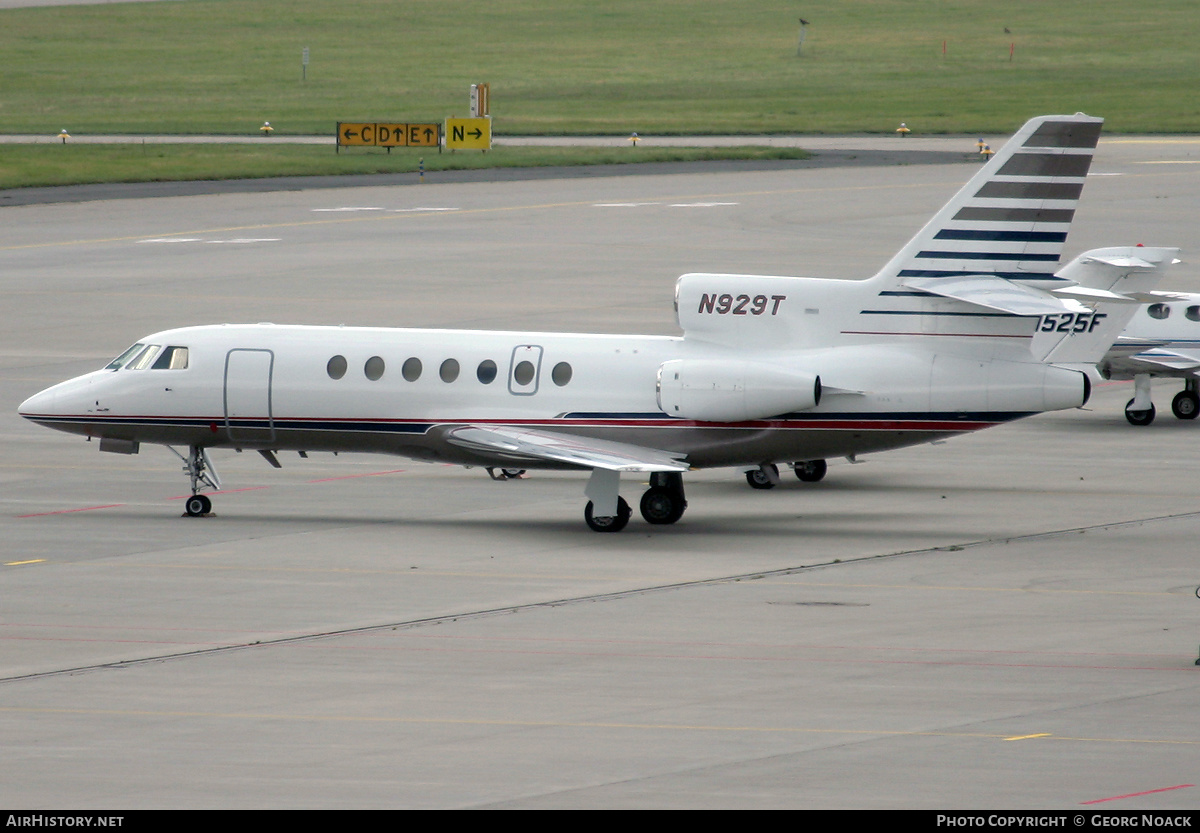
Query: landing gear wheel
(1139, 417)
(198, 506)
(759, 479)
(611, 523)
(662, 506)
(811, 471)
(1185, 405)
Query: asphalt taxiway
(1004, 620)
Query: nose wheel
(197, 506)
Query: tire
(612, 523)
(662, 506)
(1185, 405)
(197, 506)
(1139, 417)
(811, 471)
(758, 479)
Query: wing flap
(585, 452)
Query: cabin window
(1193, 313)
(119, 361)
(1159, 311)
(523, 373)
(336, 367)
(373, 368)
(143, 359)
(411, 369)
(486, 372)
(449, 370)
(173, 358)
(561, 373)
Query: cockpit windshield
(120, 361)
(173, 358)
(141, 356)
(143, 359)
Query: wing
(515, 443)
(1130, 357)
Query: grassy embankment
(676, 66)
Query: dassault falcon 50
(969, 325)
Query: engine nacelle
(724, 390)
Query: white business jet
(966, 327)
(1162, 339)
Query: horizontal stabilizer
(1131, 271)
(996, 293)
(1090, 295)
(517, 444)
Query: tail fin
(1113, 282)
(1011, 219)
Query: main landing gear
(662, 503)
(1140, 410)
(199, 469)
(766, 476)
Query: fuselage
(397, 390)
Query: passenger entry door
(248, 415)
(524, 370)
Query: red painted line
(66, 511)
(352, 476)
(1135, 795)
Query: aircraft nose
(40, 404)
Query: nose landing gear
(199, 468)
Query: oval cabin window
(336, 367)
(523, 373)
(373, 368)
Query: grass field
(567, 66)
(49, 164)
